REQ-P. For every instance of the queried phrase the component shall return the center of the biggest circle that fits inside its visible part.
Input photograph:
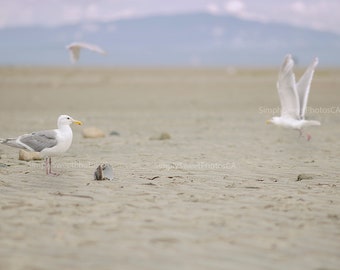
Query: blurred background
(197, 33)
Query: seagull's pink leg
(50, 165)
(50, 168)
(46, 165)
(308, 136)
(302, 134)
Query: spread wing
(303, 87)
(286, 88)
(38, 141)
(91, 47)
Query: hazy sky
(317, 14)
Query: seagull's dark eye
(68, 118)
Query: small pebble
(93, 132)
(161, 137)
(27, 156)
(114, 133)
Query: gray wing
(303, 87)
(286, 88)
(38, 141)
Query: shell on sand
(104, 172)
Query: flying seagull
(294, 96)
(75, 47)
(47, 142)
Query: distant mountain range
(199, 39)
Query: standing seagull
(294, 97)
(47, 142)
(75, 47)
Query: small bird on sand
(294, 97)
(47, 142)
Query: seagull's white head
(274, 120)
(66, 120)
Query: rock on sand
(93, 132)
(161, 137)
(27, 156)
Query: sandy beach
(221, 193)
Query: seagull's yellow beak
(268, 122)
(77, 122)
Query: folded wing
(38, 141)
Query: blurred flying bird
(75, 47)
